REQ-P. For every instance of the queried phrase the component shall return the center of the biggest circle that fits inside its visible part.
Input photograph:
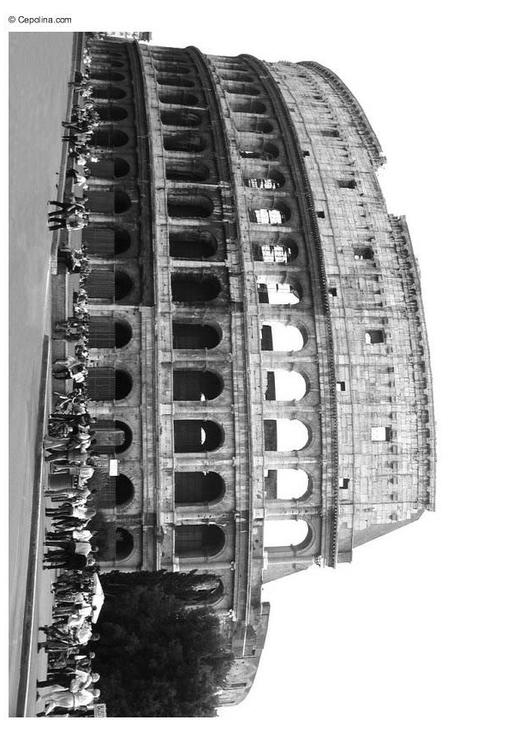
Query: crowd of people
(70, 686)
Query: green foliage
(157, 656)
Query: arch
(285, 385)
(108, 137)
(263, 178)
(195, 171)
(285, 435)
(178, 97)
(194, 288)
(108, 92)
(182, 206)
(116, 63)
(256, 124)
(234, 75)
(195, 336)
(259, 149)
(123, 333)
(124, 490)
(196, 436)
(112, 437)
(167, 66)
(106, 75)
(241, 88)
(248, 106)
(273, 292)
(173, 79)
(192, 245)
(281, 337)
(108, 333)
(124, 436)
(196, 385)
(124, 543)
(108, 169)
(198, 487)
(185, 141)
(123, 383)
(285, 534)
(180, 118)
(111, 113)
(107, 384)
(277, 213)
(122, 202)
(123, 284)
(286, 484)
(121, 168)
(282, 252)
(198, 540)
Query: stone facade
(236, 200)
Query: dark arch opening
(254, 125)
(196, 436)
(259, 150)
(193, 487)
(234, 75)
(124, 543)
(183, 172)
(190, 142)
(264, 178)
(108, 92)
(242, 89)
(171, 67)
(124, 490)
(189, 206)
(116, 64)
(123, 383)
(194, 336)
(122, 202)
(108, 137)
(121, 168)
(189, 288)
(249, 106)
(123, 333)
(124, 438)
(198, 540)
(173, 79)
(178, 97)
(122, 241)
(180, 118)
(109, 169)
(196, 385)
(282, 252)
(106, 75)
(192, 245)
(123, 284)
(111, 113)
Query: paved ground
(40, 65)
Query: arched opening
(241, 88)
(123, 285)
(108, 384)
(258, 149)
(178, 97)
(279, 337)
(106, 241)
(172, 79)
(196, 385)
(196, 436)
(248, 106)
(282, 253)
(285, 435)
(110, 75)
(188, 142)
(264, 178)
(123, 333)
(186, 171)
(180, 118)
(108, 333)
(286, 484)
(192, 245)
(112, 437)
(108, 137)
(124, 543)
(123, 384)
(198, 540)
(234, 75)
(124, 437)
(116, 64)
(286, 534)
(121, 168)
(171, 67)
(256, 124)
(189, 206)
(110, 113)
(194, 336)
(108, 169)
(285, 385)
(124, 489)
(108, 92)
(122, 202)
(122, 241)
(272, 292)
(190, 288)
(198, 487)
(280, 214)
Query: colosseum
(259, 358)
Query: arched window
(125, 490)
(197, 487)
(122, 202)
(278, 215)
(281, 253)
(234, 75)
(108, 137)
(252, 148)
(188, 142)
(286, 484)
(190, 288)
(172, 79)
(112, 437)
(180, 118)
(285, 435)
(241, 88)
(109, 169)
(279, 337)
(283, 385)
(264, 178)
(192, 245)
(278, 293)
(198, 540)
(194, 336)
(253, 124)
(108, 384)
(196, 385)
(123, 285)
(286, 534)
(108, 333)
(177, 96)
(106, 241)
(108, 92)
(196, 436)
(110, 113)
(171, 67)
(186, 171)
(189, 206)
(124, 543)
(105, 75)
(247, 106)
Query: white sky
(423, 642)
